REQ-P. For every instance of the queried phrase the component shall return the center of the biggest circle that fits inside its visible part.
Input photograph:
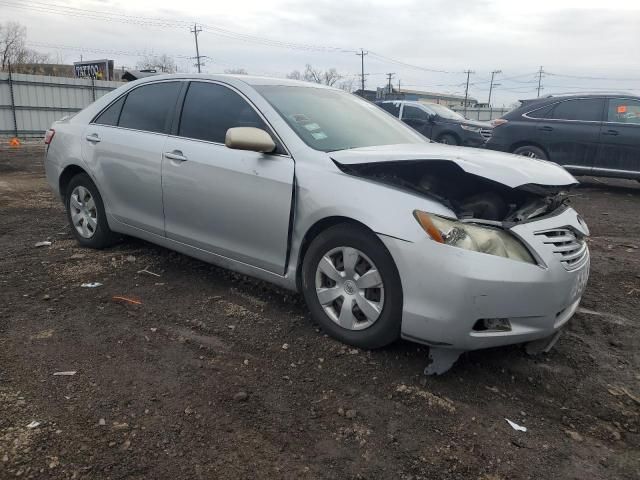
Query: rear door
(418, 119)
(570, 134)
(233, 203)
(123, 147)
(620, 136)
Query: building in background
(447, 99)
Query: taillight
(49, 136)
(498, 121)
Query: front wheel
(448, 139)
(531, 151)
(352, 287)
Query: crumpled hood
(505, 168)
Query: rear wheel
(531, 151)
(86, 214)
(352, 287)
(448, 139)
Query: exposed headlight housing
(470, 128)
(483, 239)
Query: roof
(248, 79)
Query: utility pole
(540, 72)
(466, 90)
(361, 55)
(399, 89)
(492, 85)
(389, 76)
(196, 30)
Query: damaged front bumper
(464, 300)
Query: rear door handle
(93, 138)
(176, 156)
(546, 129)
(613, 133)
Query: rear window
(150, 107)
(584, 109)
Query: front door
(418, 119)
(123, 148)
(233, 203)
(620, 136)
(571, 132)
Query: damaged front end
(473, 198)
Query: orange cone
(14, 142)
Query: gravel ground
(209, 374)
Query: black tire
(102, 236)
(531, 151)
(448, 139)
(386, 329)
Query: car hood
(507, 169)
(475, 123)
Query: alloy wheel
(349, 288)
(84, 214)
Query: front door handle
(176, 156)
(546, 129)
(613, 133)
(93, 138)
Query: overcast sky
(581, 38)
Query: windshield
(445, 112)
(329, 120)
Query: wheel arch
(67, 174)
(316, 229)
(451, 133)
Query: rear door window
(111, 115)
(583, 109)
(210, 110)
(623, 110)
(150, 107)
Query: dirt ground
(218, 376)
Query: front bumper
(446, 290)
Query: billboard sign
(97, 69)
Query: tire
(386, 299)
(448, 139)
(86, 215)
(531, 151)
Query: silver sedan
(386, 234)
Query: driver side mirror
(432, 118)
(249, 138)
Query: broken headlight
(483, 239)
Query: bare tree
(163, 63)
(347, 84)
(13, 37)
(236, 71)
(327, 77)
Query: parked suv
(595, 134)
(439, 123)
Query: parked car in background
(439, 123)
(384, 233)
(594, 134)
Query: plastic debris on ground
(34, 424)
(91, 285)
(146, 270)
(65, 374)
(45, 243)
(515, 426)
